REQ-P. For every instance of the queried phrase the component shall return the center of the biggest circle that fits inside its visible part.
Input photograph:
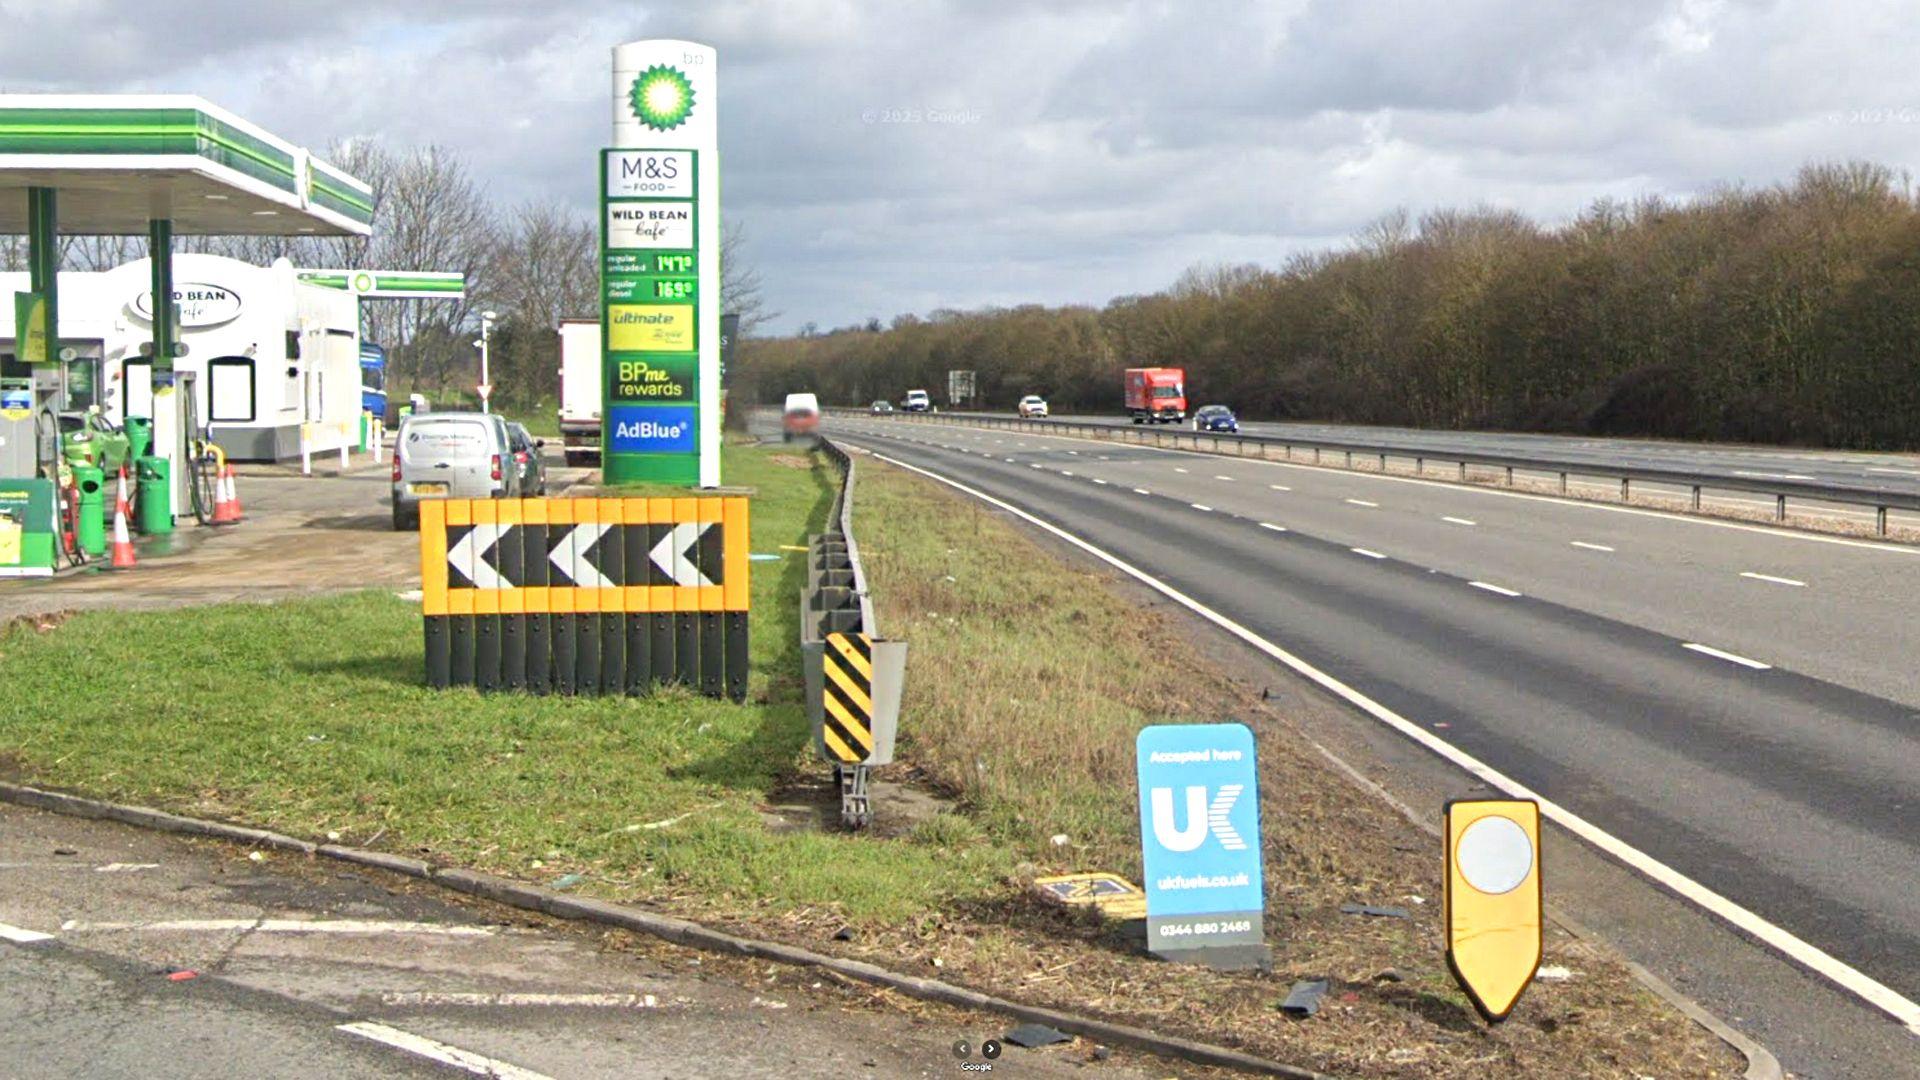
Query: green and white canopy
(120, 160)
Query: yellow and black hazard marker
(848, 699)
(587, 596)
(1493, 900)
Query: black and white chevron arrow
(687, 553)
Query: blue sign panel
(1200, 834)
(652, 429)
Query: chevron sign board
(1200, 841)
(586, 596)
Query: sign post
(660, 268)
(1200, 836)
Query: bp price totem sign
(1200, 837)
(660, 268)
(585, 596)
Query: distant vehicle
(1215, 418)
(1156, 395)
(373, 379)
(580, 364)
(882, 407)
(526, 454)
(460, 455)
(1033, 405)
(917, 401)
(90, 438)
(800, 417)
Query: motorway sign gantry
(586, 596)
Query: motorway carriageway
(1737, 702)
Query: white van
(917, 401)
(800, 416)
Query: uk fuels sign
(1200, 840)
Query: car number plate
(427, 489)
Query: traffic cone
(122, 543)
(226, 498)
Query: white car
(1033, 405)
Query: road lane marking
(1775, 580)
(283, 926)
(1097, 480)
(1773, 475)
(1228, 479)
(1590, 547)
(1492, 588)
(1368, 553)
(1200, 507)
(1177, 468)
(1279, 487)
(1141, 491)
(125, 867)
(1010, 461)
(1363, 502)
(1897, 472)
(1271, 525)
(1722, 654)
(420, 1046)
(1460, 521)
(1036, 465)
(1806, 954)
(1075, 453)
(20, 935)
(1064, 472)
(432, 998)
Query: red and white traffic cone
(122, 542)
(226, 498)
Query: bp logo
(662, 98)
(363, 283)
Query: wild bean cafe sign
(200, 304)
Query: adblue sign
(1200, 838)
(645, 429)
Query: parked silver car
(457, 455)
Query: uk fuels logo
(1203, 817)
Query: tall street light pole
(486, 383)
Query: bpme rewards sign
(660, 268)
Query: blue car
(1215, 418)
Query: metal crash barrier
(853, 675)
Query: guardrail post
(1463, 472)
(1880, 519)
(1349, 459)
(1383, 462)
(1696, 496)
(1509, 476)
(1625, 495)
(1780, 508)
(1316, 455)
(1563, 483)
(1419, 466)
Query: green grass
(311, 717)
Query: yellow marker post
(1493, 900)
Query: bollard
(90, 531)
(154, 481)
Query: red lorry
(1157, 395)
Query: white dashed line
(22, 936)
(478, 1064)
(1097, 480)
(1228, 479)
(1492, 588)
(1721, 654)
(1271, 525)
(1775, 580)
(1279, 487)
(1460, 521)
(1141, 491)
(1590, 547)
(1010, 461)
(1201, 507)
(1064, 472)
(1177, 468)
(1036, 465)
(1369, 554)
(1363, 502)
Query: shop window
(230, 390)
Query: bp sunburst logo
(662, 97)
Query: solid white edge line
(1590, 547)
(1806, 954)
(1586, 504)
(1492, 588)
(1775, 580)
(1368, 552)
(1722, 654)
(1459, 521)
(478, 1064)
(20, 935)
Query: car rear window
(447, 440)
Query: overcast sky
(893, 156)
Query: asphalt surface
(1567, 645)
(168, 958)
(1893, 472)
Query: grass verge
(1028, 679)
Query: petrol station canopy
(119, 161)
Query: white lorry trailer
(580, 370)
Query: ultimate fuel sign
(660, 268)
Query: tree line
(1786, 314)
(531, 263)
